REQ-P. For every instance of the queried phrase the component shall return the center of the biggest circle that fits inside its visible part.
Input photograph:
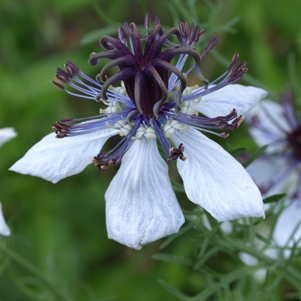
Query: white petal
(4, 230)
(214, 180)
(54, 159)
(287, 229)
(271, 123)
(141, 206)
(223, 101)
(6, 134)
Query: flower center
(145, 66)
(294, 139)
(153, 100)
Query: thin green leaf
(293, 75)
(238, 151)
(173, 258)
(226, 280)
(229, 147)
(171, 238)
(177, 187)
(95, 35)
(205, 244)
(260, 151)
(173, 290)
(102, 15)
(205, 257)
(263, 239)
(274, 198)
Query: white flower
(153, 106)
(141, 206)
(279, 170)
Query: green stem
(32, 269)
(289, 273)
(224, 282)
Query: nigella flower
(5, 135)
(153, 104)
(279, 170)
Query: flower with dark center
(148, 101)
(279, 169)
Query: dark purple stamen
(144, 71)
(294, 139)
(150, 102)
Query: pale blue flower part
(153, 105)
(5, 135)
(4, 229)
(279, 170)
(259, 274)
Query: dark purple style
(153, 99)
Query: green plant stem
(289, 273)
(32, 269)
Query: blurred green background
(60, 228)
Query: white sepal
(6, 134)
(216, 181)
(4, 230)
(141, 206)
(223, 101)
(54, 159)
